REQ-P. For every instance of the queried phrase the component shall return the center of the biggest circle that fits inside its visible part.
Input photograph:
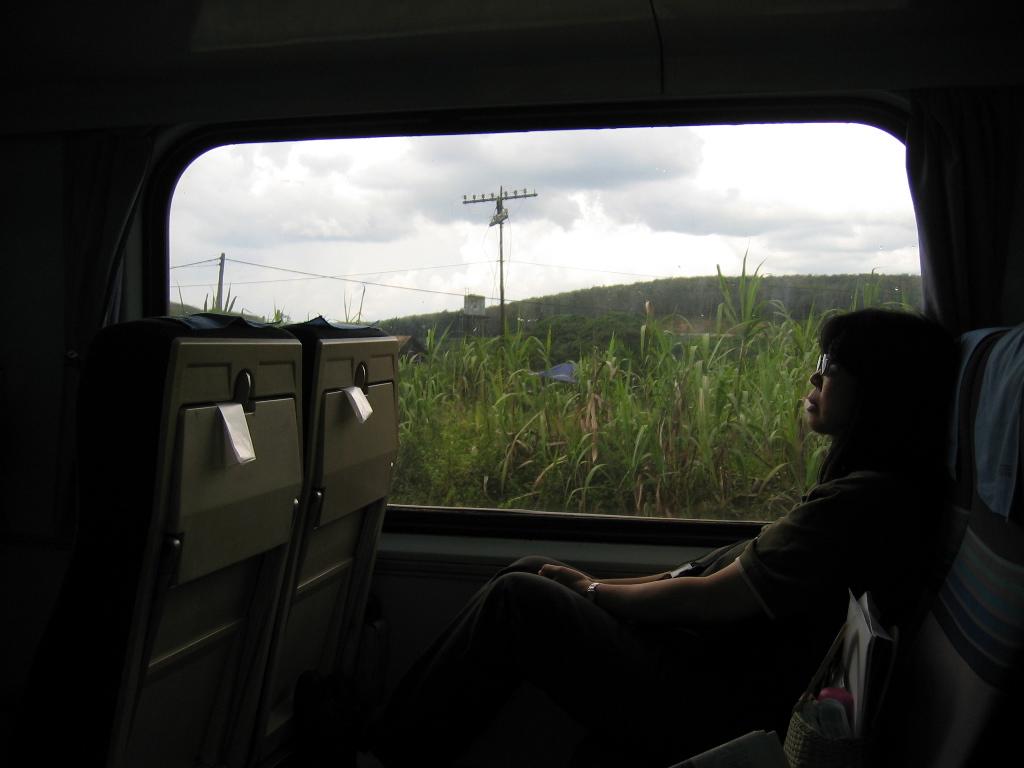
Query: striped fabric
(981, 610)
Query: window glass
(663, 289)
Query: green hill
(590, 316)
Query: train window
(660, 291)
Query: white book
(868, 652)
(757, 749)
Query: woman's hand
(698, 600)
(575, 580)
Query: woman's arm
(636, 579)
(724, 596)
(574, 574)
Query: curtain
(966, 169)
(104, 177)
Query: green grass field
(679, 425)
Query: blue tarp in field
(564, 372)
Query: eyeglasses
(825, 365)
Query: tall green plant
(684, 425)
(741, 312)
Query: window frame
(886, 111)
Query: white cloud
(662, 202)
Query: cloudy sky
(385, 217)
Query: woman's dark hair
(903, 365)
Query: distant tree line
(590, 317)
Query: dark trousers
(659, 693)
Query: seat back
(156, 650)
(347, 476)
(964, 663)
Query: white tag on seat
(360, 405)
(237, 440)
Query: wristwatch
(591, 593)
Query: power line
(330, 277)
(436, 266)
(348, 280)
(249, 282)
(195, 263)
(387, 271)
(326, 277)
(318, 276)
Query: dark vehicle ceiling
(86, 65)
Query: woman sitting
(668, 665)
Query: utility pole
(219, 307)
(499, 217)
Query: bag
(807, 747)
(807, 744)
(861, 658)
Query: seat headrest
(997, 423)
(211, 321)
(321, 328)
(972, 346)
